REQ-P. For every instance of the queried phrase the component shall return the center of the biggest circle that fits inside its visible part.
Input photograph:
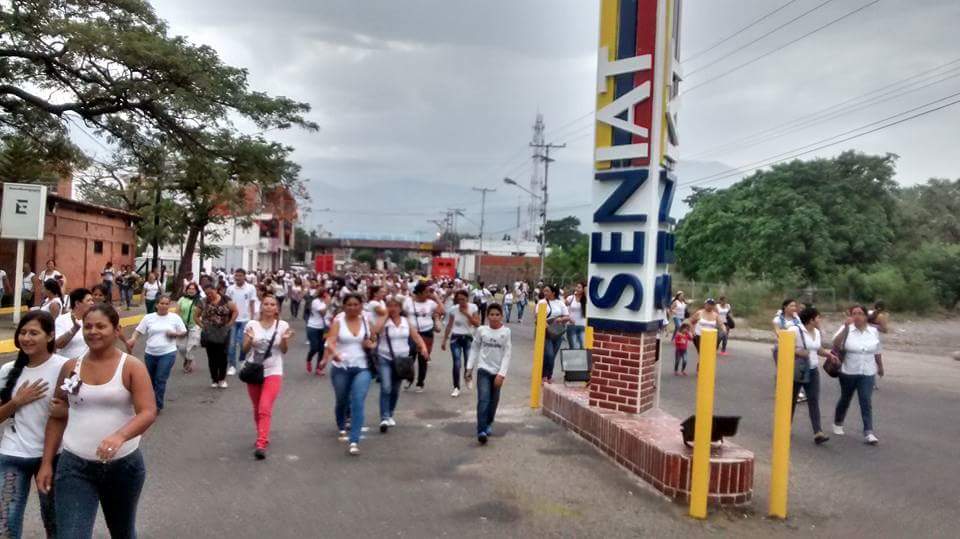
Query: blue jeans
(18, 473)
(677, 322)
(863, 385)
(350, 385)
(551, 347)
(317, 344)
(460, 350)
(488, 397)
(83, 484)
(520, 307)
(575, 336)
(389, 388)
(159, 368)
(812, 388)
(236, 344)
(126, 296)
(507, 309)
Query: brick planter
(650, 446)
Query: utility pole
(543, 212)
(483, 214)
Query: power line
(737, 33)
(821, 144)
(781, 47)
(828, 114)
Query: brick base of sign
(651, 446)
(624, 370)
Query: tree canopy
(798, 220)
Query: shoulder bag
(832, 366)
(402, 366)
(555, 330)
(801, 365)
(252, 370)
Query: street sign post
(22, 218)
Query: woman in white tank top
(351, 334)
(706, 318)
(103, 403)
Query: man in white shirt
(29, 280)
(244, 296)
(69, 326)
(4, 284)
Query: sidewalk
(7, 327)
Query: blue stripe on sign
(623, 325)
(626, 48)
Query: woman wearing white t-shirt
(809, 347)
(151, 290)
(461, 322)
(52, 298)
(350, 336)
(424, 311)
(317, 326)
(678, 310)
(862, 363)
(51, 273)
(394, 343)
(25, 398)
(557, 314)
(265, 341)
(162, 330)
(577, 305)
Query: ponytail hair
(47, 326)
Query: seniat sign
(631, 244)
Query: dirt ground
(927, 336)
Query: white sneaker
(455, 393)
(871, 439)
(215, 384)
(384, 425)
(419, 389)
(342, 436)
(223, 384)
(231, 371)
(838, 430)
(364, 429)
(391, 422)
(354, 449)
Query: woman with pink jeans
(264, 342)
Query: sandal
(188, 366)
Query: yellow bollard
(780, 460)
(706, 374)
(588, 338)
(536, 374)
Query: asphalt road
(429, 478)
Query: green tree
(930, 212)
(568, 264)
(366, 256)
(799, 221)
(564, 233)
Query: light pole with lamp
(543, 216)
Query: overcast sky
(420, 100)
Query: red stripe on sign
(646, 44)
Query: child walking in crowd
(491, 356)
(681, 341)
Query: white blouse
(860, 348)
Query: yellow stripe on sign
(609, 29)
(7, 346)
(667, 79)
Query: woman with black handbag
(216, 320)
(396, 361)
(264, 343)
(558, 316)
(349, 343)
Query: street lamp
(543, 215)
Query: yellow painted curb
(9, 310)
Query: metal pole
(483, 212)
(18, 284)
